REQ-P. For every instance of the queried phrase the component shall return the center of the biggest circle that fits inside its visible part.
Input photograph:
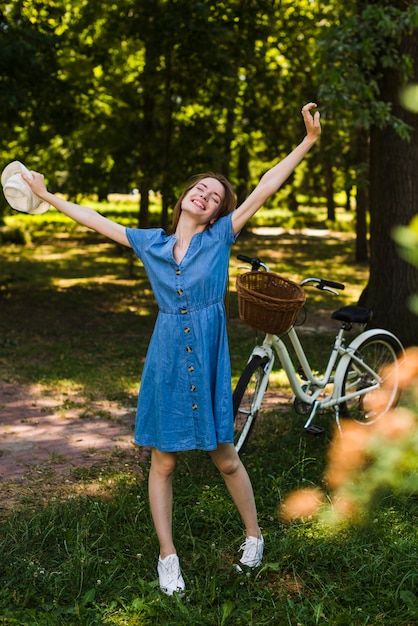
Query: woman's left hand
(312, 123)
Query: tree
(371, 53)
(394, 200)
(93, 154)
(142, 94)
(32, 96)
(144, 103)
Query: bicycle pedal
(315, 430)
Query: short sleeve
(142, 238)
(222, 230)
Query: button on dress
(185, 398)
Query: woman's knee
(163, 462)
(226, 459)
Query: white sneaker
(171, 580)
(252, 553)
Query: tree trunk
(326, 161)
(362, 197)
(362, 252)
(166, 187)
(243, 174)
(329, 190)
(143, 220)
(348, 192)
(393, 201)
(165, 205)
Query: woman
(185, 401)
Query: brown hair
(227, 205)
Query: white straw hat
(16, 191)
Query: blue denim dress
(185, 398)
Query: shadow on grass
(92, 560)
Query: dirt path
(45, 440)
(54, 447)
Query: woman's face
(204, 200)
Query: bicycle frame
(312, 387)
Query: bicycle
(353, 372)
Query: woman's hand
(36, 182)
(274, 178)
(312, 123)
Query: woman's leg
(239, 485)
(160, 489)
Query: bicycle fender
(352, 347)
(357, 341)
(262, 351)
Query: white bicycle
(353, 373)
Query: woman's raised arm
(272, 180)
(81, 214)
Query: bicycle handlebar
(255, 262)
(323, 284)
(319, 283)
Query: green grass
(92, 560)
(76, 317)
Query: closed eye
(213, 195)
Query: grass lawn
(76, 317)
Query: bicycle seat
(353, 314)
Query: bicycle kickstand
(311, 428)
(337, 419)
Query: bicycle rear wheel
(244, 399)
(377, 351)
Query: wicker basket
(268, 302)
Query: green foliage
(357, 49)
(31, 94)
(131, 97)
(109, 97)
(407, 240)
(409, 98)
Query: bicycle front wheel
(244, 399)
(377, 351)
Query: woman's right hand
(36, 182)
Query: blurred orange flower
(301, 503)
(347, 453)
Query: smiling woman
(199, 186)
(204, 200)
(185, 400)
(210, 194)
(201, 204)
